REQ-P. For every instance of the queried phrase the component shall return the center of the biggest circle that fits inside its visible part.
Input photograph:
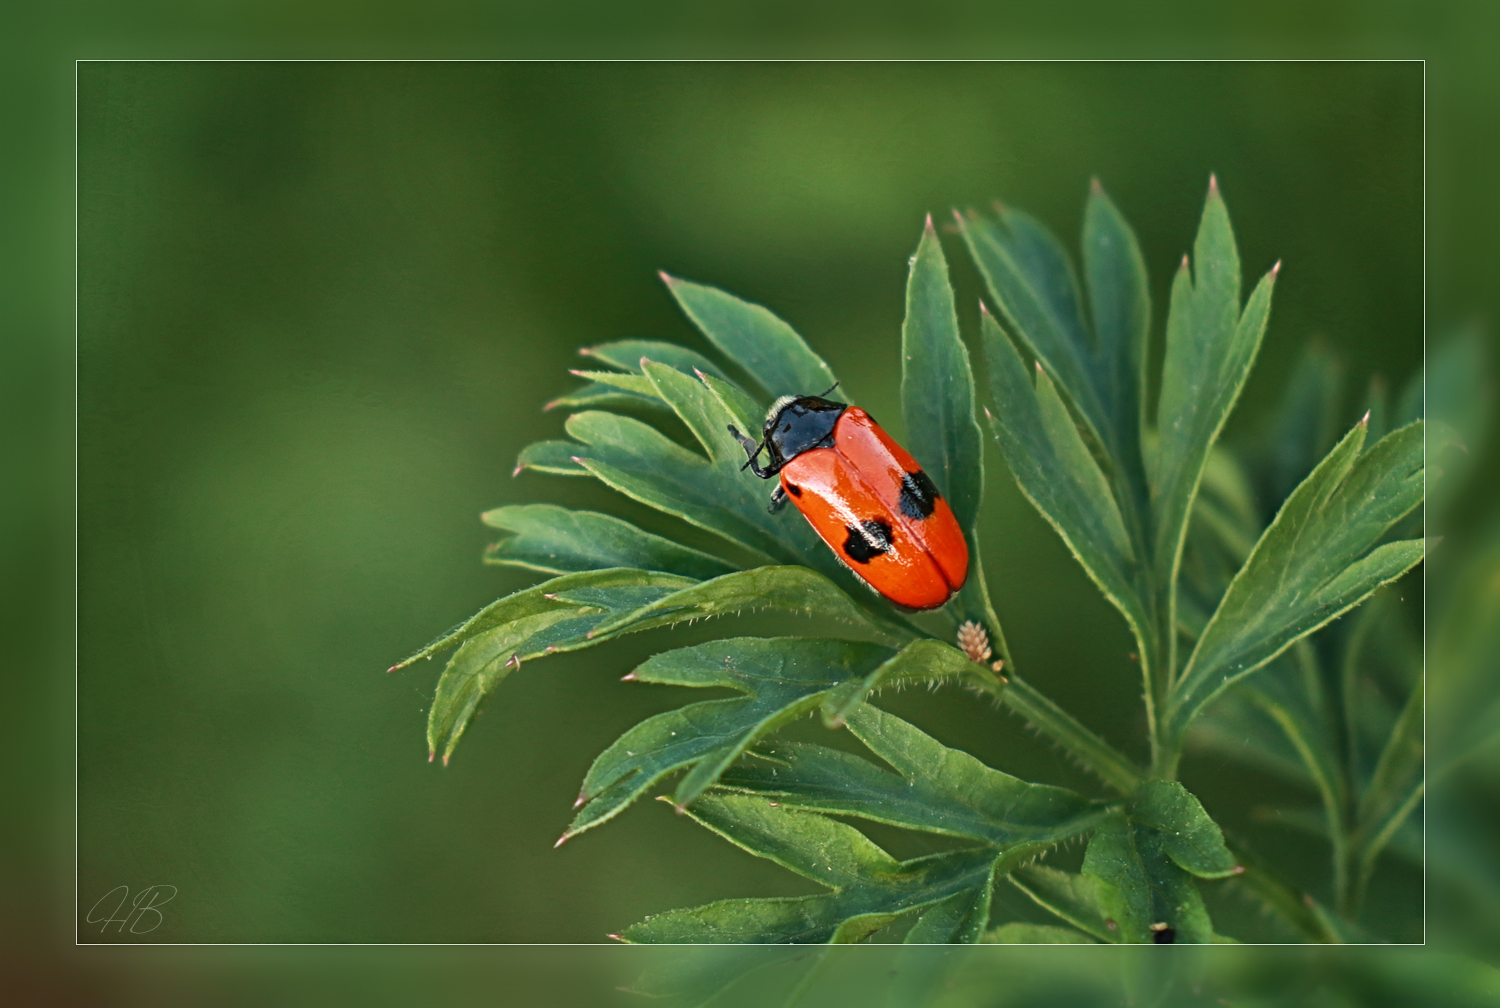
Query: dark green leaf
(555, 540)
(1395, 790)
(1120, 304)
(870, 889)
(921, 660)
(1305, 426)
(1319, 558)
(937, 385)
(1210, 348)
(790, 589)
(939, 790)
(782, 678)
(640, 462)
(1056, 471)
(767, 348)
(958, 920)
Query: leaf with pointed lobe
(555, 540)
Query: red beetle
(869, 500)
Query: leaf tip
(1213, 184)
(928, 226)
(517, 470)
(1364, 421)
(958, 218)
(446, 757)
(1238, 869)
(1275, 270)
(583, 796)
(618, 938)
(394, 667)
(561, 840)
(1095, 186)
(513, 662)
(628, 676)
(666, 278)
(431, 755)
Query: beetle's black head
(797, 424)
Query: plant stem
(1092, 752)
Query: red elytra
(865, 496)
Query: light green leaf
(958, 920)
(789, 589)
(1210, 348)
(1035, 934)
(1319, 558)
(555, 457)
(1139, 885)
(952, 793)
(1074, 898)
(602, 395)
(555, 540)
(528, 624)
(782, 679)
(937, 385)
(626, 356)
(1188, 836)
(763, 345)
(1057, 473)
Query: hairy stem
(1092, 752)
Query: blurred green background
(320, 308)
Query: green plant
(1226, 567)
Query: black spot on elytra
(1166, 936)
(868, 540)
(918, 495)
(794, 490)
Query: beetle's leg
(752, 449)
(778, 499)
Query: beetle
(864, 495)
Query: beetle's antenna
(830, 389)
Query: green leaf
(1319, 558)
(1073, 898)
(1188, 836)
(782, 678)
(1057, 473)
(958, 920)
(925, 660)
(626, 356)
(937, 385)
(1035, 934)
(1210, 348)
(528, 624)
(555, 457)
(1120, 305)
(642, 463)
(1140, 885)
(869, 889)
(555, 540)
(763, 345)
(602, 395)
(1305, 426)
(938, 789)
(789, 589)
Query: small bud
(974, 642)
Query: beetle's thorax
(797, 424)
